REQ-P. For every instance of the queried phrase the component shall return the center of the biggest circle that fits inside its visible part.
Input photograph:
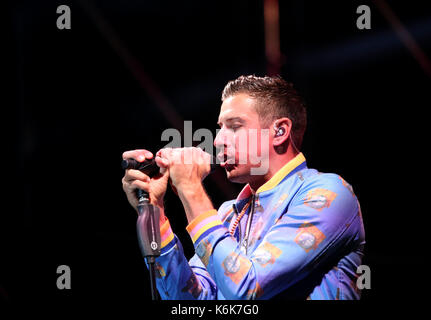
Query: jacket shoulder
(331, 181)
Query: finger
(207, 158)
(176, 156)
(167, 155)
(197, 155)
(159, 153)
(132, 174)
(140, 185)
(173, 187)
(164, 153)
(128, 187)
(138, 154)
(162, 162)
(188, 155)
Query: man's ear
(281, 131)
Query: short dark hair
(275, 98)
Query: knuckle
(128, 176)
(126, 154)
(135, 184)
(138, 154)
(137, 175)
(131, 173)
(142, 185)
(163, 152)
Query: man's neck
(276, 162)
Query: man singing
(291, 233)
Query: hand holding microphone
(147, 173)
(143, 175)
(186, 166)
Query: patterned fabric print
(227, 217)
(203, 250)
(309, 237)
(192, 286)
(347, 185)
(257, 205)
(160, 271)
(256, 231)
(266, 254)
(280, 201)
(319, 198)
(300, 176)
(255, 293)
(354, 286)
(236, 267)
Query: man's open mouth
(226, 161)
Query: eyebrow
(233, 119)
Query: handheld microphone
(149, 166)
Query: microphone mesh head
(124, 164)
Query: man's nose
(221, 139)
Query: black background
(76, 99)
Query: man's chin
(234, 174)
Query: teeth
(225, 160)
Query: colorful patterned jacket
(300, 236)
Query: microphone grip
(148, 230)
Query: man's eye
(234, 128)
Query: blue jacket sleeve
(176, 279)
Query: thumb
(173, 187)
(164, 172)
(162, 163)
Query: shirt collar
(285, 171)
